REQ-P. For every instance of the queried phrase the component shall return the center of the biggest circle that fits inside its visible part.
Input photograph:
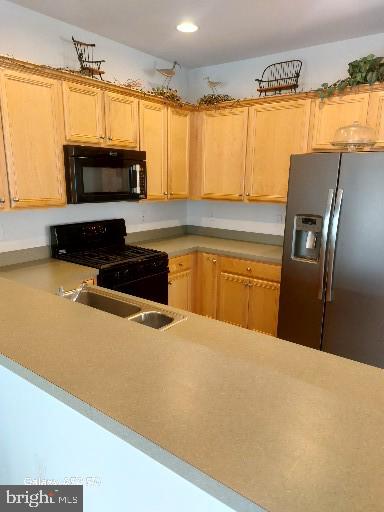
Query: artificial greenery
(367, 70)
(167, 93)
(212, 99)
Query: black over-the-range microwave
(95, 174)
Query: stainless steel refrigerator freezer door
(354, 317)
(312, 187)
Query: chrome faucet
(72, 295)
(77, 292)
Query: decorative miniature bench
(280, 77)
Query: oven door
(93, 179)
(153, 287)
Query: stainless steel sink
(135, 311)
(108, 304)
(154, 319)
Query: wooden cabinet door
(83, 113)
(153, 140)
(276, 130)
(180, 290)
(4, 196)
(178, 153)
(376, 116)
(263, 306)
(206, 296)
(233, 299)
(33, 139)
(332, 113)
(121, 120)
(224, 151)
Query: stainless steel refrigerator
(332, 287)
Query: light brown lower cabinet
(206, 284)
(180, 290)
(249, 303)
(241, 292)
(237, 291)
(180, 282)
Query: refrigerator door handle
(332, 244)
(324, 236)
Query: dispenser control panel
(307, 237)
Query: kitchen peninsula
(274, 425)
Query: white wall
(254, 218)
(323, 63)
(28, 35)
(23, 229)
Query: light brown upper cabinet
(332, 113)
(4, 196)
(224, 138)
(153, 140)
(33, 137)
(121, 120)
(96, 117)
(178, 153)
(376, 116)
(276, 130)
(83, 113)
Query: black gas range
(125, 268)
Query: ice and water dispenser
(307, 237)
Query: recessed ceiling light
(187, 26)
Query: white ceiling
(229, 29)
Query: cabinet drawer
(251, 268)
(180, 263)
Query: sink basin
(107, 304)
(153, 319)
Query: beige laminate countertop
(49, 274)
(237, 249)
(289, 428)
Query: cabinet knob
(249, 269)
(165, 193)
(170, 282)
(2, 200)
(247, 194)
(15, 199)
(109, 138)
(214, 260)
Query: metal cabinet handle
(2, 200)
(214, 261)
(324, 235)
(15, 199)
(332, 243)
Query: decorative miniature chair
(88, 66)
(278, 77)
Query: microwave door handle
(332, 244)
(324, 236)
(138, 187)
